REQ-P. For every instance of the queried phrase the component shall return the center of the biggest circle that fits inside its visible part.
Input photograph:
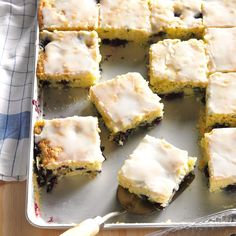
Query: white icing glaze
(69, 53)
(222, 152)
(180, 61)
(219, 13)
(221, 93)
(163, 14)
(132, 14)
(126, 98)
(70, 13)
(77, 136)
(155, 165)
(222, 49)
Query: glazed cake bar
(155, 170)
(68, 15)
(221, 47)
(221, 100)
(66, 146)
(219, 13)
(178, 66)
(220, 155)
(125, 103)
(69, 58)
(124, 20)
(177, 18)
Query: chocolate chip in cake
(217, 126)
(44, 83)
(198, 15)
(206, 171)
(230, 188)
(149, 125)
(80, 168)
(43, 43)
(160, 34)
(65, 83)
(171, 96)
(122, 137)
(51, 183)
(115, 42)
(37, 150)
(177, 13)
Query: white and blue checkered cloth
(17, 49)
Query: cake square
(177, 18)
(219, 13)
(220, 154)
(155, 169)
(125, 103)
(68, 15)
(69, 58)
(221, 44)
(124, 20)
(221, 100)
(66, 146)
(178, 66)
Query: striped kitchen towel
(17, 53)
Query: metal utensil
(222, 216)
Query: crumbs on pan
(50, 220)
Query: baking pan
(76, 198)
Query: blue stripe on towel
(15, 126)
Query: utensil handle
(89, 227)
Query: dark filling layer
(44, 177)
(115, 42)
(63, 83)
(44, 42)
(206, 171)
(171, 96)
(121, 137)
(44, 83)
(157, 37)
(48, 178)
(197, 91)
(177, 13)
(198, 15)
(218, 125)
(230, 188)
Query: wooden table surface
(14, 223)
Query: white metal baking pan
(76, 198)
